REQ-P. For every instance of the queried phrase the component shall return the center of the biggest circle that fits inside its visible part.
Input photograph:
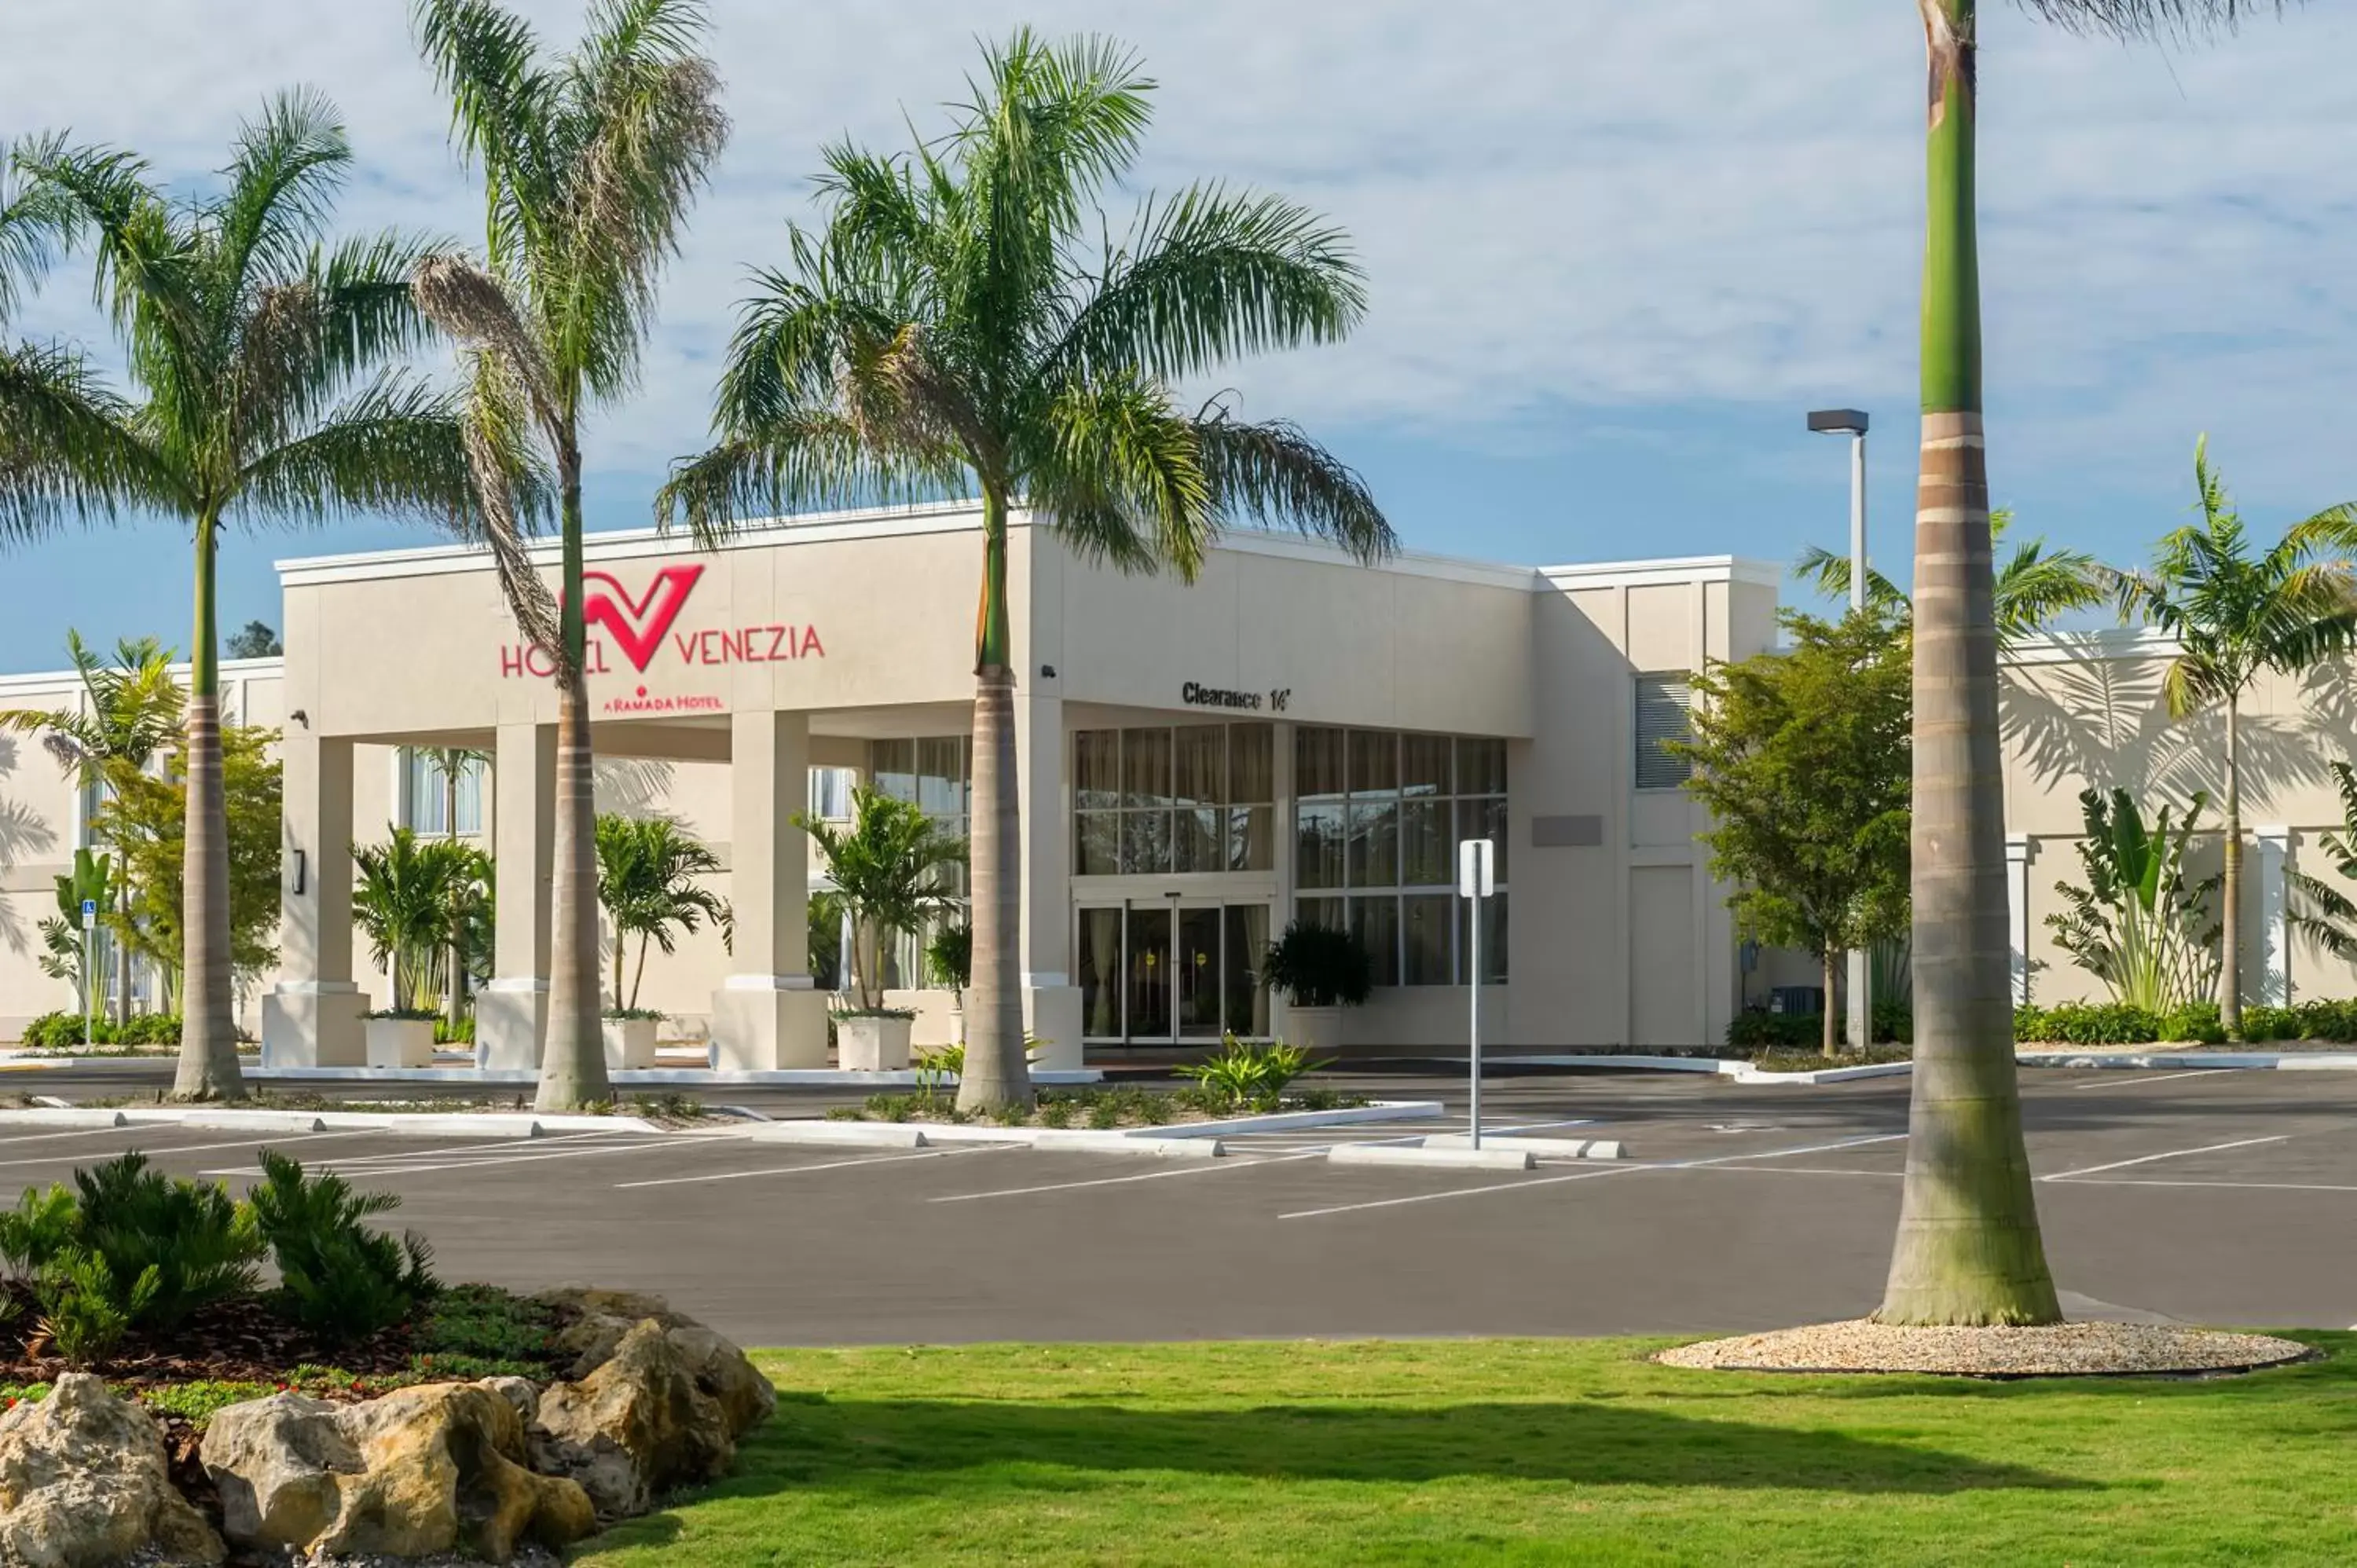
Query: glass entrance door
(1162, 974)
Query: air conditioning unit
(1802, 999)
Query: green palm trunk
(573, 1061)
(1968, 1248)
(207, 1064)
(995, 1072)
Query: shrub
(149, 1029)
(1754, 1028)
(485, 1321)
(201, 1244)
(1055, 1113)
(39, 1228)
(1320, 966)
(463, 1033)
(86, 1307)
(339, 1276)
(1243, 1074)
(2321, 1020)
(2085, 1024)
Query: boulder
(434, 1468)
(637, 1426)
(84, 1484)
(601, 1318)
(520, 1392)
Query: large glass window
(431, 782)
(935, 773)
(1162, 798)
(1376, 827)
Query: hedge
(62, 1031)
(2078, 1024)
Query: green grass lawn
(1509, 1452)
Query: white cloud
(1568, 211)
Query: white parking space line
(274, 1138)
(2251, 1186)
(1209, 1168)
(825, 1166)
(1626, 1169)
(127, 1129)
(2167, 1155)
(388, 1169)
(2098, 1082)
(437, 1151)
(1798, 1170)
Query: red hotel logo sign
(641, 627)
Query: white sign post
(89, 963)
(1477, 879)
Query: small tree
(886, 868)
(648, 871)
(1803, 756)
(64, 947)
(408, 897)
(254, 640)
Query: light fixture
(1837, 421)
(300, 717)
(302, 866)
(1046, 671)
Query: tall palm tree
(132, 713)
(650, 883)
(1968, 1248)
(266, 361)
(952, 326)
(2235, 615)
(2033, 587)
(589, 163)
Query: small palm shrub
(341, 1276)
(201, 1242)
(86, 1307)
(1245, 1075)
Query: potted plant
(630, 1036)
(886, 866)
(402, 1036)
(949, 961)
(1320, 969)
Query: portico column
(2275, 910)
(511, 1013)
(768, 1015)
(1051, 1002)
(312, 1016)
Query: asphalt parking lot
(2208, 1195)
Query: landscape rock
(420, 1471)
(603, 1317)
(636, 1426)
(84, 1484)
(520, 1392)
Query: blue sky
(1614, 250)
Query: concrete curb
(930, 1134)
(485, 1124)
(1293, 1121)
(2289, 1061)
(1744, 1072)
(648, 1078)
(1539, 1148)
(839, 1135)
(1466, 1159)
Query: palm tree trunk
(1830, 1042)
(208, 1068)
(995, 1072)
(1968, 1249)
(122, 961)
(2229, 929)
(639, 975)
(573, 1063)
(455, 995)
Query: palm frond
(1274, 473)
(284, 172)
(473, 306)
(1120, 477)
(396, 446)
(1828, 572)
(70, 448)
(797, 462)
(510, 495)
(37, 223)
(2036, 585)
(2148, 19)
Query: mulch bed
(2049, 1351)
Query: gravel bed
(2062, 1349)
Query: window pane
(1662, 716)
(1324, 912)
(1482, 820)
(1198, 972)
(1317, 858)
(1145, 841)
(1099, 966)
(940, 776)
(1375, 762)
(1481, 766)
(1246, 1009)
(892, 768)
(1425, 919)
(1424, 764)
(1377, 922)
(1252, 838)
(1146, 768)
(1202, 765)
(1374, 845)
(1098, 851)
(1147, 965)
(1252, 770)
(1202, 839)
(1096, 769)
(1317, 763)
(1493, 938)
(1426, 853)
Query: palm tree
(649, 871)
(888, 870)
(1968, 1248)
(266, 359)
(132, 713)
(2236, 615)
(952, 327)
(409, 896)
(2033, 589)
(589, 164)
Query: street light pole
(1852, 422)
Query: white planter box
(629, 1042)
(400, 1042)
(871, 1044)
(1314, 1028)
